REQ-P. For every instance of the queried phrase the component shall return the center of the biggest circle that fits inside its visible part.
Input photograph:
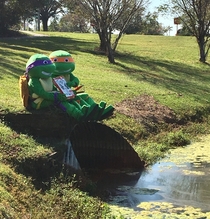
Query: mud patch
(146, 110)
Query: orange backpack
(24, 91)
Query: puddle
(176, 187)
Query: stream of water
(176, 187)
(69, 156)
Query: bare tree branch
(195, 15)
(107, 15)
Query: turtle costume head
(63, 61)
(42, 91)
(65, 65)
(40, 66)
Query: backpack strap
(24, 91)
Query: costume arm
(74, 81)
(36, 87)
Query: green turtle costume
(65, 65)
(42, 91)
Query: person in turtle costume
(42, 91)
(65, 65)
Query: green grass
(157, 65)
(22, 197)
(164, 67)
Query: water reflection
(176, 185)
(173, 180)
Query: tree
(195, 16)
(10, 14)
(46, 9)
(73, 22)
(28, 13)
(135, 25)
(108, 15)
(151, 26)
(168, 29)
(145, 24)
(54, 25)
(184, 31)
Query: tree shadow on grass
(23, 46)
(177, 77)
(50, 44)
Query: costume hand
(61, 97)
(72, 83)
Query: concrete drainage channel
(97, 145)
(94, 144)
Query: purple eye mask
(38, 63)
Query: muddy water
(176, 187)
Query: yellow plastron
(47, 85)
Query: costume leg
(73, 111)
(102, 111)
(76, 103)
(107, 112)
(85, 100)
(40, 103)
(77, 112)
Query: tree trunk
(110, 53)
(117, 40)
(202, 51)
(105, 44)
(102, 38)
(109, 47)
(44, 22)
(24, 24)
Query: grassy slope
(165, 67)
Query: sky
(166, 20)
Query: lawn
(157, 65)
(166, 68)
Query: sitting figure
(65, 65)
(42, 91)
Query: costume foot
(84, 110)
(92, 113)
(100, 111)
(107, 112)
(102, 105)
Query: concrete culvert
(94, 144)
(98, 146)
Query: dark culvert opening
(99, 146)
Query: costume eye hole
(55, 59)
(66, 60)
(45, 62)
